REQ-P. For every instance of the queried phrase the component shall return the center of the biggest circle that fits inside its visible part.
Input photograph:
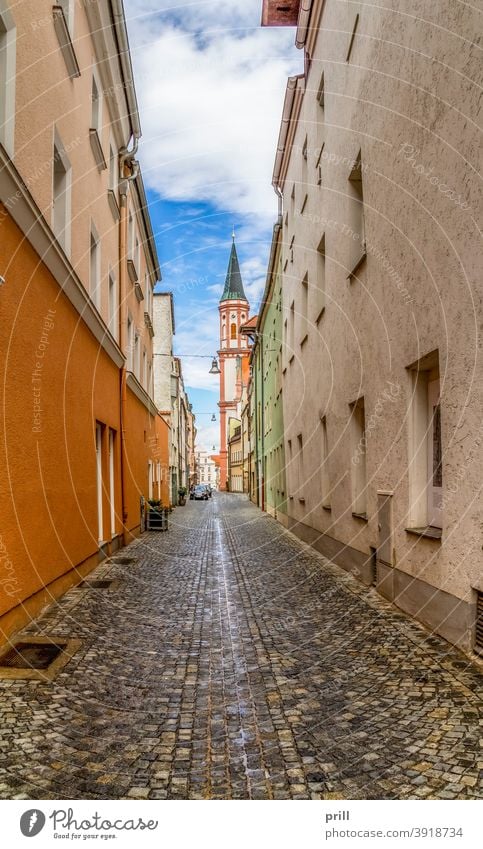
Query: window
(356, 236)
(7, 79)
(318, 166)
(113, 316)
(325, 477)
(304, 302)
(130, 236)
(100, 523)
(96, 107)
(304, 180)
(68, 10)
(112, 490)
(136, 363)
(352, 38)
(95, 268)
(150, 479)
(136, 255)
(321, 92)
(112, 169)
(130, 352)
(425, 445)
(233, 331)
(300, 466)
(319, 288)
(291, 332)
(61, 195)
(145, 371)
(358, 459)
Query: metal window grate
(31, 656)
(479, 623)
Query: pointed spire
(233, 290)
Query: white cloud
(210, 98)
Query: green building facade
(268, 488)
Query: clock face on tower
(233, 315)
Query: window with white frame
(130, 346)
(7, 78)
(357, 234)
(325, 477)
(113, 311)
(61, 195)
(319, 288)
(137, 349)
(112, 168)
(425, 445)
(68, 10)
(358, 459)
(96, 106)
(95, 268)
(304, 301)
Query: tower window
(233, 331)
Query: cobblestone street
(230, 661)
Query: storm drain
(31, 655)
(37, 658)
(99, 585)
(479, 624)
(123, 561)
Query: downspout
(303, 23)
(126, 161)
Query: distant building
(171, 397)
(235, 455)
(233, 355)
(206, 469)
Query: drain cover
(124, 561)
(31, 655)
(37, 658)
(96, 585)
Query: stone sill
(132, 271)
(65, 42)
(320, 315)
(96, 148)
(113, 204)
(362, 516)
(428, 532)
(358, 264)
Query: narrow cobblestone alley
(230, 661)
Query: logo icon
(32, 822)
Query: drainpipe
(303, 22)
(126, 162)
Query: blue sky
(210, 84)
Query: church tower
(233, 355)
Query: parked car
(200, 493)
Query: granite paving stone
(231, 661)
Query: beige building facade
(381, 370)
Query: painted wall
(416, 291)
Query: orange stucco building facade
(82, 440)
